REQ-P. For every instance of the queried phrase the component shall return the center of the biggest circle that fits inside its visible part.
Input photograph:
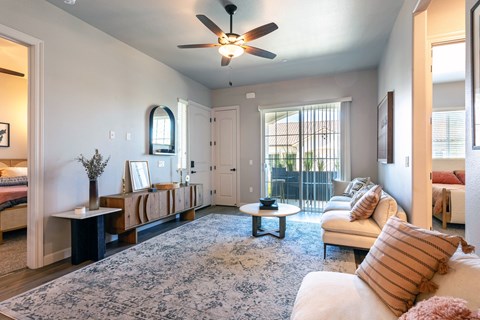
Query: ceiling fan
(232, 45)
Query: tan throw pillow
(387, 207)
(403, 260)
(360, 194)
(364, 207)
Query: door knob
(193, 171)
(233, 169)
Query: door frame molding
(239, 168)
(35, 208)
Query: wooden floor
(23, 280)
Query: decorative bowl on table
(267, 201)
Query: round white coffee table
(281, 213)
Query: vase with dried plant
(94, 167)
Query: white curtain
(345, 171)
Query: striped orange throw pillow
(403, 260)
(365, 206)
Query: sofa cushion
(359, 194)
(461, 281)
(339, 221)
(334, 295)
(364, 207)
(341, 198)
(357, 184)
(337, 205)
(386, 208)
(339, 186)
(403, 260)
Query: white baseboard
(57, 256)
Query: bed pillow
(403, 260)
(460, 175)
(445, 177)
(13, 172)
(13, 181)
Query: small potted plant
(94, 168)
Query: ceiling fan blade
(259, 32)
(259, 52)
(225, 61)
(202, 45)
(11, 72)
(211, 25)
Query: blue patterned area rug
(211, 268)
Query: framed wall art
(140, 175)
(385, 129)
(475, 47)
(4, 134)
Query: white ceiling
(13, 56)
(315, 37)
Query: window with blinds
(448, 134)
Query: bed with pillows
(13, 195)
(448, 196)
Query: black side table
(87, 233)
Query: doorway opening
(13, 155)
(448, 136)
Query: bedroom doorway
(13, 155)
(35, 210)
(448, 136)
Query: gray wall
(472, 161)
(93, 84)
(360, 85)
(395, 74)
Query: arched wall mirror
(162, 131)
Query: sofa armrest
(339, 187)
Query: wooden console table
(87, 233)
(140, 208)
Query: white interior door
(199, 149)
(226, 157)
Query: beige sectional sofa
(338, 230)
(333, 295)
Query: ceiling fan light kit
(232, 45)
(231, 50)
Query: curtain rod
(303, 103)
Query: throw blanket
(437, 200)
(12, 193)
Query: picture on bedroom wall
(385, 129)
(4, 134)
(475, 45)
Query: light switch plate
(112, 134)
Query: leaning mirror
(139, 175)
(162, 131)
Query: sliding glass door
(302, 154)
